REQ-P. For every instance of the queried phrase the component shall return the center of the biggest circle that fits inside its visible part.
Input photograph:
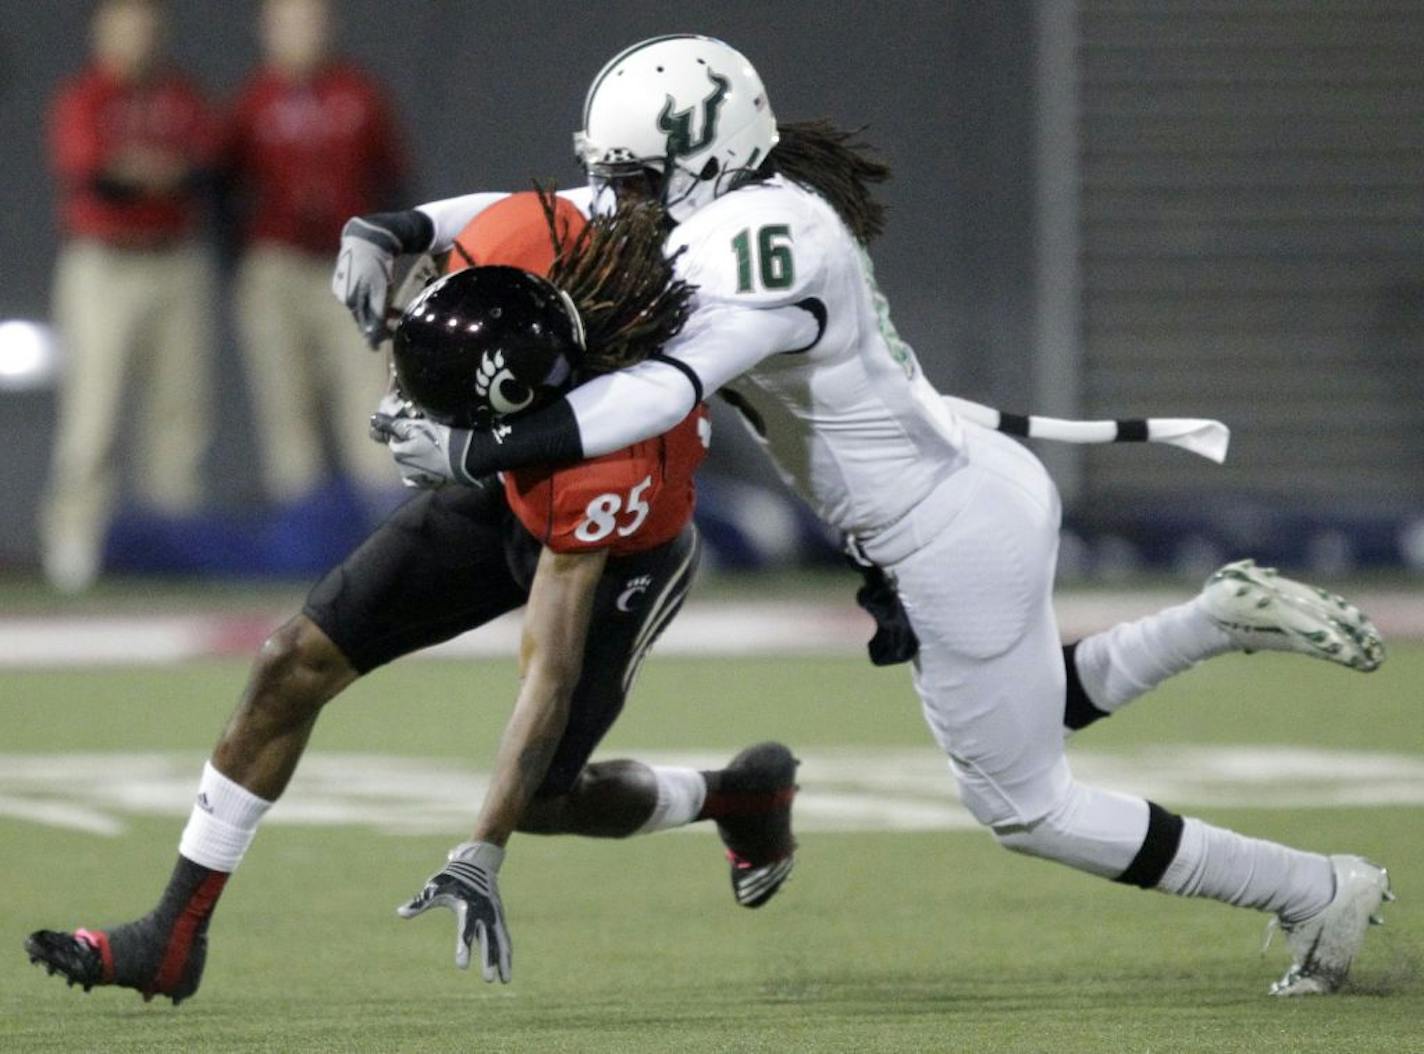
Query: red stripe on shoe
(99, 940)
(720, 805)
(180, 940)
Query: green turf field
(881, 942)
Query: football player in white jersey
(771, 223)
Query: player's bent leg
(636, 598)
(296, 672)
(609, 799)
(1323, 904)
(433, 570)
(1090, 830)
(1242, 607)
(750, 799)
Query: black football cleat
(79, 960)
(753, 811)
(137, 955)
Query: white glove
(362, 279)
(466, 885)
(428, 453)
(392, 405)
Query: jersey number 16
(773, 257)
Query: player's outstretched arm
(371, 243)
(551, 659)
(610, 412)
(551, 651)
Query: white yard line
(705, 628)
(842, 789)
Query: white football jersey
(850, 420)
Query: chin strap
(1201, 436)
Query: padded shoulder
(761, 246)
(515, 233)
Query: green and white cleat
(1262, 610)
(1324, 946)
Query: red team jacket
(94, 118)
(629, 501)
(311, 153)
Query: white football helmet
(691, 109)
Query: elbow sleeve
(412, 228)
(448, 216)
(546, 437)
(622, 408)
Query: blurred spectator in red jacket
(129, 140)
(312, 141)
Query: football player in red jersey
(603, 554)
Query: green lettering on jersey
(775, 263)
(742, 246)
(778, 270)
(678, 123)
(901, 352)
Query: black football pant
(452, 559)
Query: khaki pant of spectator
(304, 356)
(135, 320)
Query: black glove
(894, 640)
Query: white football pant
(990, 676)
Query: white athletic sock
(1248, 872)
(223, 822)
(1120, 664)
(681, 793)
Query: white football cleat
(1323, 946)
(1262, 610)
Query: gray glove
(466, 885)
(393, 404)
(428, 453)
(362, 279)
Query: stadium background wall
(1098, 207)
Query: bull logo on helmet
(678, 123)
(496, 383)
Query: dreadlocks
(625, 289)
(827, 160)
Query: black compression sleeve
(412, 228)
(545, 437)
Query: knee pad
(1092, 830)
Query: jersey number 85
(602, 514)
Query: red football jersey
(312, 152)
(628, 501)
(96, 117)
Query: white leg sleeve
(1248, 872)
(1120, 664)
(681, 793)
(1131, 841)
(223, 822)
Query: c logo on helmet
(496, 383)
(678, 123)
